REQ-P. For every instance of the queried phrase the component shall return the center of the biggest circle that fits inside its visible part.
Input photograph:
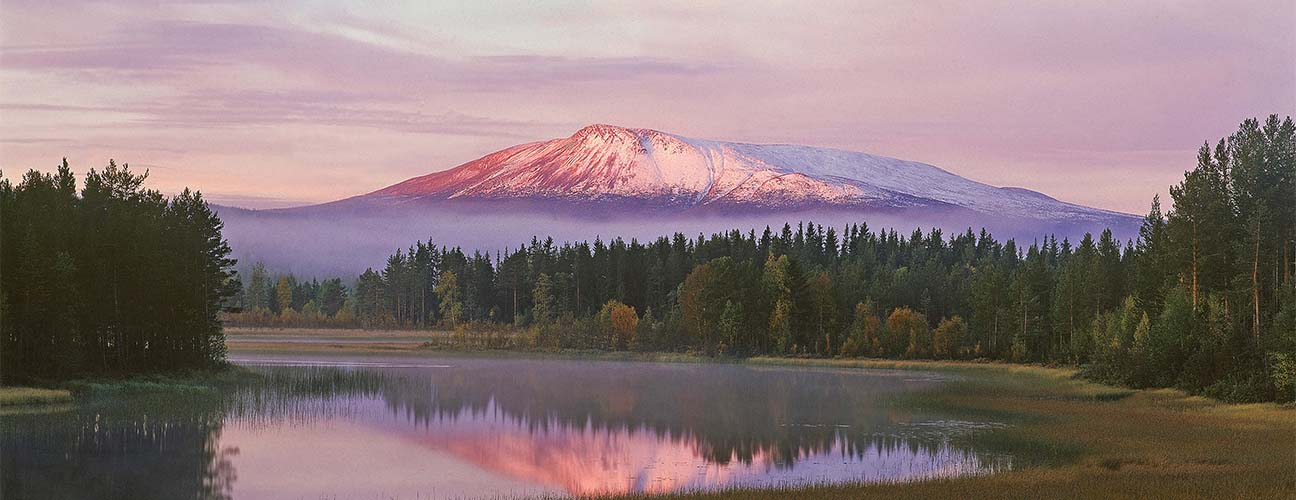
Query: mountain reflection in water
(398, 427)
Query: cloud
(172, 49)
(313, 78)
(218, 108)
(252, 201)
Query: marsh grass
(177, 383)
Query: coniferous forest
(115, 279)
(1204, 299)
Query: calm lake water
(372, 427)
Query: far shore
(233, 332)
(33, 396)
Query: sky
(268, 104)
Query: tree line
(114, 279)
(1203, 299)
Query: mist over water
(469, 428)
(328, 243)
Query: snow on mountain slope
(605, 163)
(607, 181)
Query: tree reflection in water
(138, 447)
(576, 426)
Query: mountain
(608, 181)
(653, 170)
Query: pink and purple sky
(265, 104)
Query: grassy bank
(439, 351)
(24, 396)
(186, 382)
(177, 382)
(234, 332)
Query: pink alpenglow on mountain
(658, 170)
(606, 181)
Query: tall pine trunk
(1194, 264)
(1255, 287)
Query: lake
(399, 426)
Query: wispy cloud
(338, 80)
(170, 49)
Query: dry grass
(1061, 483)
(235, 346)
(15, 396)
(379, 347)
(233, 332)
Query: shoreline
(32, 397)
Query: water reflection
(372, 427)
(146, 448)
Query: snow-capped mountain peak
(638, 183)
(603, 163)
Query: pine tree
(543, 298)
(448, 295)
(283, 295)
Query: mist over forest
(326, 243)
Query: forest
(1204, 299)
(114, 280)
